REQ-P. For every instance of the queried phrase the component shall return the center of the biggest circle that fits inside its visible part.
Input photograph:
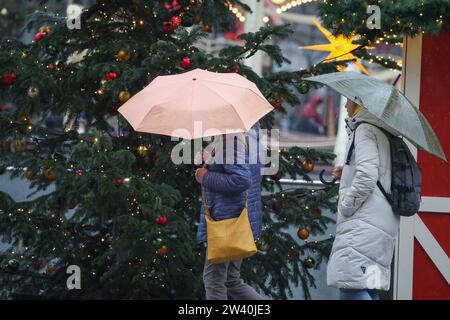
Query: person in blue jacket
(225, 186)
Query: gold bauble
(33, 92)
(44, 30)
(142, 150)
(124, 96)
(18, 145)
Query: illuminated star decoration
(340, 48)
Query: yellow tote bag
(229, 239)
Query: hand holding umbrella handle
(327, 183)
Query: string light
(235, 11)
(289, 5)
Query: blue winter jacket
(226, 184)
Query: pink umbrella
(196, 104)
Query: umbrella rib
(159, 103)
(235, 85)
(231, 85)
(192, 103)
(227, 103)
(171, 98)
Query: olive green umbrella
(388, 104)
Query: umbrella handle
(327, 183)
(396, 79)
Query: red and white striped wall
(422, 264)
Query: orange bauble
(30, 175)
(206, 27)
(122, 55)
(303, 233)
(49, 176)
(276, 104)
(307, 166)
(197, 20)
(163, 250)
(24, 119)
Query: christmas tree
(13, 14)
(118, 207)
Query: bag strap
(385, 194)
(350, 152)
(352, 146)
(205, 198)
(205, 202)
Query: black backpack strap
(386, 195)
(350, 150)
(352, 146)
(349, 156)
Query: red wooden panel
(428, 282)
(435, 104)
(438, 224)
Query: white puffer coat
(366, 226)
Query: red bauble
(114, 108)
(316, 212)
(111, 76)
(147, 214)
(37, 264)
(277, 205)
(174, 6)
(293, 255)
(234, 69)
(118, 183)
(186, 63)
(276, 176)
(39, 36)
(162, 221)
(176, 21)
(9, 79)
(79, 173)
(167, 27)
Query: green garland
(397, 17)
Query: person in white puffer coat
(360, 260)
